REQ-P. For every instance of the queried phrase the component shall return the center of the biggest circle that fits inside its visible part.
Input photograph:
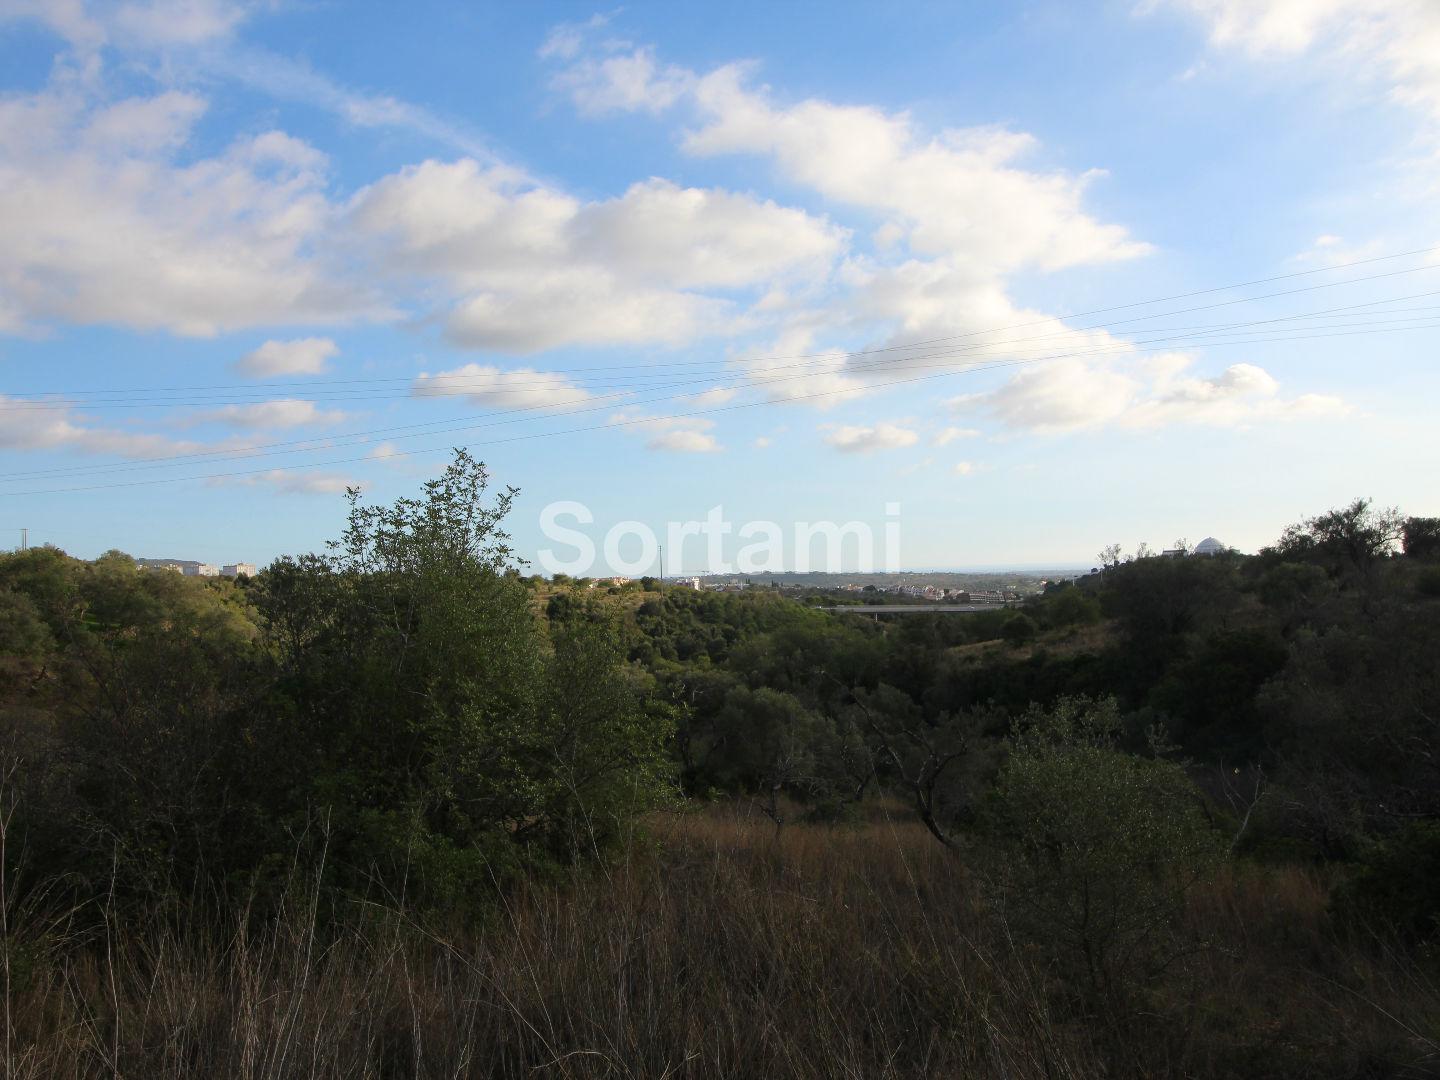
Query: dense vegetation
(398, 810)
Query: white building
(236, 569)
(1209, 546)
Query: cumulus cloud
(641, 267)
(106, 222)
(678, 434)
(627, 81)
(863, 440)
(522, 388)
(684, 441)
(960, 194)
(1074, 395)
(1241, 394)
(303, 356)
(1066, 395)
(269, 415)
(956, 212)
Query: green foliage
(1068, 606)
(1398, 884)
(1347, 540)
(1019, 630)
(1427, 583)
(426, 713)
(1420, 537)
(393, 705)
(1096, 848)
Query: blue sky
(798, 261)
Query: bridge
(913, 609)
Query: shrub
(1019, 630)
(1096, 847)
(1399, 883)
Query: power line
(739, 380)
(950, 337)
(651, 420)
(487, 381)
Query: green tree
(418, 712)
(1019, 630)
(1420, 537)
(1095, 848)
(1348, 539)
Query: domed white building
(1209, 546)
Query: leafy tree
(1019, 630)
(417, 711)
(1350, 538)
(1096, 848)
(767, 741)
(1068, 606)
(1420, 537)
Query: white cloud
(522, 388)
(303, 356)
(565, 41)
(156, 23)
(1065, 395)
(287, 482)
(1074, 395)
(1241, 394)
(679, 434)
(105, 223)
(27, 424)
(1393, 42)
(684, 441)
(955, 213)
(963, 468)
(959, 195)
(629, 81)
(863, 440)
(626, 270)
(761, 442)
(950, 434)
(269, 415)
(281, 77)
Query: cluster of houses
(191, 568)
(936, 592)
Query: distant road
(913, 609)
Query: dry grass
(713, 948)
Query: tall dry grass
(714, 947)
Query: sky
(1022, 279)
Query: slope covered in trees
(1202, 789)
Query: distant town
(192, 568)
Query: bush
(1428, 583)
(1096, 848)
(1019, 630)
(1398, 884)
